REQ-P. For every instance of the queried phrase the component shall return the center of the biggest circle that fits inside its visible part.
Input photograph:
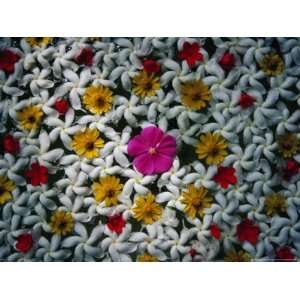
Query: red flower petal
(37, 175)
(10, 144)
(284, 254)
(225, 176)
(151, 66)
(61, 106)
(24, 242)
(215, 231)
(246, 100)
(191, 53)
(85, 57)
(116, 223)
(8, 59)
(247, 231)
(227, 61)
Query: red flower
(190, 53)
(246, 100)
(8, 59)
(284, 254)
(85, 57)
(61, 106)
(10, 144)
(227, 61)
(192, 252)
(24, 242)
(292, 168)
(225, 176)
(151, 66)
(116, 223)
(248, 231)
(215, 231)
(37, 175)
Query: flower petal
(144, 164)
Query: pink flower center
(152, 151)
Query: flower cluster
(149, 149)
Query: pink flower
(153, 151)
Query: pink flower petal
(162, 163)
(144, 164)
(152, 135)
(167, 146)
(137, 146)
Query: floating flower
(154, 151)
(62, 106)
(247, 231)
(30, 117)
(85, 57)
(107, 190)
(275, 204)
(37, 175)
(88, 143)
(8, 59)
(146, 209)
(237, 256)
(195, 94)
(24, 242)
(98, 99)
(6, 188)
(212, 147)
(190, 53)
(116, 223)
(227, 61)
(291, 169)
(272, 64)
(284, 254)
(196, 200)
(10, 144)
(215, 231)
(288, 145)
(225, 176)
(146, 257)
(62, 222)
(151, 66)
(145, 84)
(246, 100)
(38, 41)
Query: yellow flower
(108, 190)
(240, 256)
(196, 200)
(195, 94)
(6, 187)
(87, 143)
(145, 85)
(30, 117)
(38, 41)
(146, 209)
(62, 222)
(146, 257)
(98, 99)
(272, 64)
(212, 147)
(288, 145)
(275, 204)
